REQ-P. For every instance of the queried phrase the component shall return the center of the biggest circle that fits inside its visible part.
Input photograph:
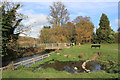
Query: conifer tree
(104, 29)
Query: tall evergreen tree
(104, 30)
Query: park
(62, 46)
(108, 53)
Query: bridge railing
(28, 61)
(58, 45)
(52, 45)
(40, 58)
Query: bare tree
(58, 14)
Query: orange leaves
(84, 30)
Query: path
(93, 58)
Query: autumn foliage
(84, 30)
(81, 32)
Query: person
(79, 44)
(73, 44)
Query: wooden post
(33, 61)
(46, 45)
(42, 58)
(59, 45)
(21, 63)
(65, 44)
(48, 55)
(52, 45)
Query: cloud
(29, 12)
(36, 20)
(37, 12)
(35, 32)
(36, 23)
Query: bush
(112, 68)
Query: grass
(108, 53)
(51, 73)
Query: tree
(94, 38)
(54, 35)
(79, 18)
(58, 14)
(84, 31)
(44, 35)
(104, 30)
(70, 31)
(111, 37)
(10, 22)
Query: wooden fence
(39, 58)
(28, 61)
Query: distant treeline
(79, 30)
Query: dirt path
(95, 56)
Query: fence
(27, 62)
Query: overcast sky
(38, 11)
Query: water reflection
(72, 66)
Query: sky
(37, 13)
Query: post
(42, 58)
(33, 61)
(52, 45)
(48, 55)
(21, 63)
(65, 44)
(59, 45)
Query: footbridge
(54, 45)
(50, 45)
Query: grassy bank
(51, 73)
(108, 53)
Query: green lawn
(108, 53)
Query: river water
(25, 58)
